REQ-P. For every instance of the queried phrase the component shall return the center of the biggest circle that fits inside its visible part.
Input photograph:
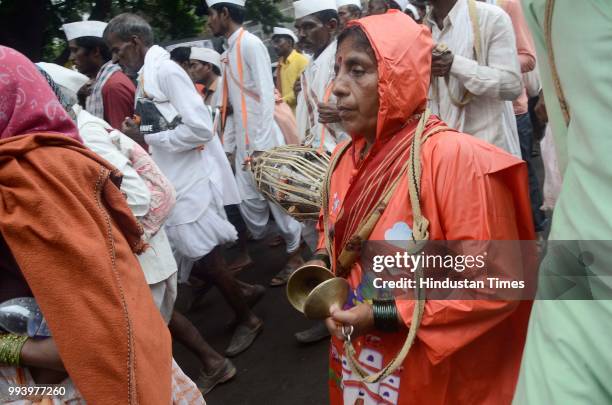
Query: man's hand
(84, 92)
(441, 62)
(328, 113)
(361, 317)
(132, 129)
(297, 86)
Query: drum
(292, 176)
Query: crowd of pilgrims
(136, 156)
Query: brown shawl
(72, 234)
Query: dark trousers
(525, 132)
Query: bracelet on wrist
(10, 348)
(385, 315)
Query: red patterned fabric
(27, 103)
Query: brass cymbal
(313, 289)
(332, 291)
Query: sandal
(206, 382)
(282, 277)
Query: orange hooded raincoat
(466, 352)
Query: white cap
(412, 9)
(68, 79)
(306, 7)
(402, 3)
(340, 3)
(84, 29)
(240, 3)
(284, 31)
(206, 55)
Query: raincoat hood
(404, 67)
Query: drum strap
(243, 91)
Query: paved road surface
(276, 369)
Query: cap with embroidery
(341, 3)
(84, 29)
(206, 55)
(284, 31)
(240, 3)
(306, 7)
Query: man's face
(83, 59)
(345, 15)
(356, 89)
(283, 45)
(198, 71)
(313, 35)
(128, 54)
(217, 22)
(376, 7)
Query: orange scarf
(72, 234)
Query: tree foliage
(33, 26)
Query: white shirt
(316, 81)
(190, 155)
(263, 133)
(95, 134)
(157, 261)
(495, 82)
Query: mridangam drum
(292, 177)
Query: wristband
(385, 315)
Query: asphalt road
(276, 369)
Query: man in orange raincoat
(465, 351)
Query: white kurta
(259, 133)
(263, 133)
(191, 157)
(95, 134)
(495, 82)
(157, 262)
(316, 80)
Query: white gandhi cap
(306, 7)
(84, 29)
(206, 55)
(284, 31)
(240, 3)
(413, 10)
(402, 3)
(341, 3)
(68, 79)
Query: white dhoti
(192, 241)
(256, 214)
(310, 234)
